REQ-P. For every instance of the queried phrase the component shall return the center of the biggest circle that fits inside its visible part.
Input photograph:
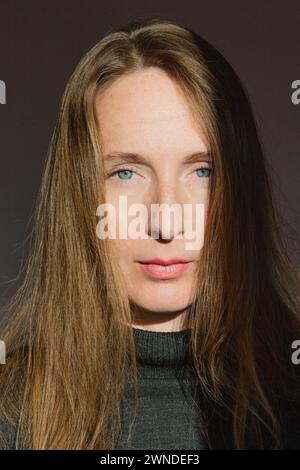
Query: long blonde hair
(69, 349)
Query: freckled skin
(146, 112)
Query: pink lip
(164, 271)
(165, 262)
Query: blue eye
(128, 173)
(204, 172)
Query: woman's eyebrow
(126, 157)
(199, 156)
(137, 158)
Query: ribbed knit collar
(163, 354)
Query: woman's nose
(166, 212)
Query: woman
(154, 113)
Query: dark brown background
(41, 42)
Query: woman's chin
(162, 306)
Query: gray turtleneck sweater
(168, 415)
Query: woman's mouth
(159, 271)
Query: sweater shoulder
(289, 414)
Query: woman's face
(146, 113)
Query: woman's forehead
(139, 115)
